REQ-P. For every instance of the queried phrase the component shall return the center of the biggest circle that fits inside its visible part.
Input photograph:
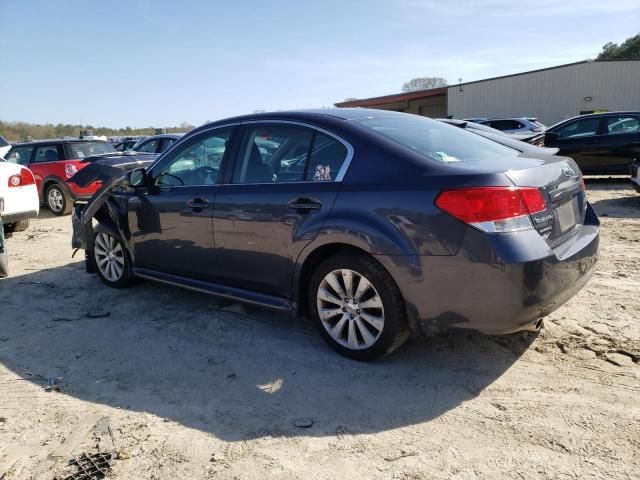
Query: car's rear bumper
(496, 285)
(8, 218)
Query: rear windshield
(82, 150)
(436, 140)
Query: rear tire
(357, 307)
(57, 200)
(111, 258)
(19, 226)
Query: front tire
(357, 307)
(57, 200)
(111, 258)
(4, 263)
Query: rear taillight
(70, 170)
(493, 209)
(22, 179)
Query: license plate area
(566, 215)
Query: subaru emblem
(568, 171)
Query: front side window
(623, 124)
(148, 147)
(166, 143)
(586, 127)
(21, 155)
(197, 163)
(435, 140)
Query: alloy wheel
(109, 256)
(55, 199)
(350, 309)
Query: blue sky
(158, 63)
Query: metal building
(550, 94)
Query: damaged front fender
(107, 208)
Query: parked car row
(600, 143)
(54, 162)
(372, 223)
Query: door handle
(198, 204)
(304, 204)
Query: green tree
(424, 83)
(627, 50)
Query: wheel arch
(51, 180)
(316, 252)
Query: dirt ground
(183, 385)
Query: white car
(4, 147)
(20, 194)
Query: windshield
(82, 150)
(435, 140)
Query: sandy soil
(186, 386)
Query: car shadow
(625, 205)
(225, 369)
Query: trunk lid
(560, 181)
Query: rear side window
(435, 140)
(80, 150)
(327, 157)
(586, 127)
(623, 124)
(273, 153)
(505, 124)
(21, 155)
(48, 153)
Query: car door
(45, 164)
(170, 219)
(282, 187)
(620, 142)
(578, 139)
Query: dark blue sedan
(372, 223)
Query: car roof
(596, 115)
(305, 115)
(162, 135)
(59, 140)
(531, 119)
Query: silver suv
(515, 125)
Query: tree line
(21, 131)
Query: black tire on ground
(19, 226)
(100, 254)
(57, 200)
(396, 326)
(4, 263)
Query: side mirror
(138, 177)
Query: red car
(53, 163)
